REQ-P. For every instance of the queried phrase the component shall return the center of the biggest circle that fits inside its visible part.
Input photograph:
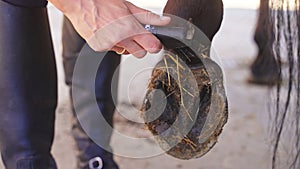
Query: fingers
(146, 40)
(120, 50)
(135, 40)
(149, 42)
(125, 34)
(147, 17)
(131, 47)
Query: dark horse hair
(285, 21)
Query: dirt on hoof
(185, 107)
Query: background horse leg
(264, 69)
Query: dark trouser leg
(28, 88)
(72, 44)
(264, 69)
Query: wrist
(65, 5)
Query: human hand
(113, 25)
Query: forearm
(67, 6)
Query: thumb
(147, 17)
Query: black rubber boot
(28, 88)
(88, 150)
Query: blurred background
(245, 142)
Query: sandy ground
(244, 142)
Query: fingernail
(164, 18)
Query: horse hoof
(267, 81)
(185, 107)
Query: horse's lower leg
(264, 69)
(170, 77)
(207, 15)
